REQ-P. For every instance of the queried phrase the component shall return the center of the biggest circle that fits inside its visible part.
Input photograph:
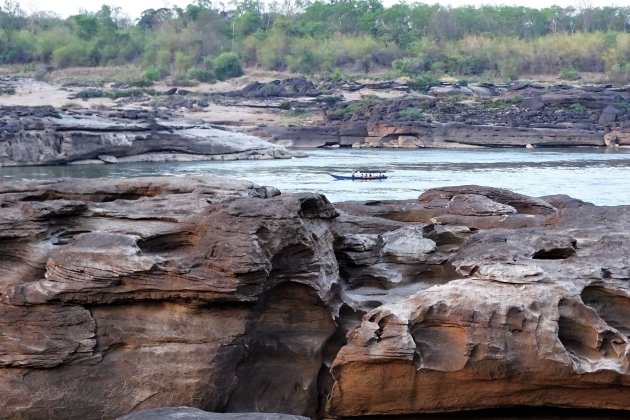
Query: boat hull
(358, 178)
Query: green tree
(227, 65)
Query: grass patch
(411, 113)
(577, 107)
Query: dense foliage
(207, 42)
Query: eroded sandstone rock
(45, 136)
(130, 294)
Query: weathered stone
(68, 137)
(533, 103)
(407, 245)
(153, 291)
(121, 295)
(477, 205)
(44, 337)
(609, 115)
(189, 413)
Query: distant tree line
(206, 42)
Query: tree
(227, 66)
(12, 19)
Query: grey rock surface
(45, 136)
(190, 413)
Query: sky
(133, 8)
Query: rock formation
(46, 136)
(484, 115)
(189, 413)
(123, 295)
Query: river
(598, 176)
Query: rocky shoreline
(453, 115)
(120, 295)
(48, 136)
(177, 124)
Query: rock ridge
(121, 295)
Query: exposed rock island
(120, 295)
(44, 135)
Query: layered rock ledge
(47, 136)
(123, 295)
(388, 114)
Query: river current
(598, 176)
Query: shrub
(569, 73)
(154, 73)
(329, 99)
(422, 82)
(508, 69)
(227, 65)
(411, 113)
(201, 75)
(337, 75)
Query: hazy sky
(134, 7)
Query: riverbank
(295, 112)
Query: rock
(448, 91)
(175, 298)
(533, 103)
(108, 158)
(477, 205)
(120, 295)
(518, 202)
(482, 90)
(407, 245)
(43, 137)
(617, 138)
(190, 413)
(57, 335)
(286, 88)
(609, 115)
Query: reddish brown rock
(123, 295)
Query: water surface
(596, 175)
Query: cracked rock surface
(122, 295)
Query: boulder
(407, 245)
(533, 103)
(609, 115)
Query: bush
(201, 75)
(422, 82)
(569, 73)
(410, 113)
(154, 73)
(227, 65)
(329, 99)
(72, 54)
